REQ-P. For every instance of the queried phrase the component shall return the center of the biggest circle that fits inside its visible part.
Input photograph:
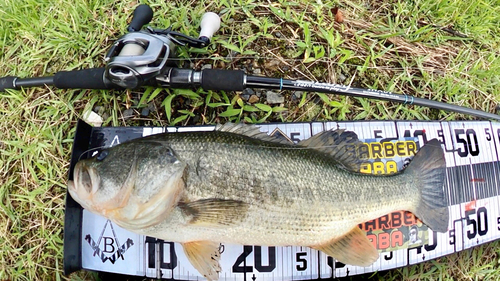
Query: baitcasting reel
(141, 55)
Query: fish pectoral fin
(204, 256)
(354, 248)
(214, 212)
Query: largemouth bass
(238, 185)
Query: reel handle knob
(143, 14)
(210, 23)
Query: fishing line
(91, 149)
(234, 59)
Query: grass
(443, 50)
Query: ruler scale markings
(326, 269)
(485, 177)
(486, 182)
(449, 148)
(466, 146)
(288, 264)
(445, 136)
(468, 183)
(456, 179)
(402, 258)
(331, 125)
(458, 229)
(317, 127)
(142, 256)
(489, 173)
(150, 258)
(291, 262)
(280, 260)
(496, 136)
(490, 217)
(395, 125)
(348, 126)
(496, 174)
(391, 127)
(473, 183)
(486, 154)
(314, 271)
(496, 200)
(480, 178)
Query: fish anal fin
(214, 212)
(354, 248)
(205, 257)
(343, 146)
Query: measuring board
(472, 187)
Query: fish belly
(302, 223)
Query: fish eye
(102, 154)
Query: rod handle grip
(92, 78)
(223, 80)
(7, 83)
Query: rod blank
(327, 88)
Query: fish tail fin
(428, 171)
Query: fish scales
(301, 187)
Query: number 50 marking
(478, 225)
(468, 145)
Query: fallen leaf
(253, 99)
(339, 17)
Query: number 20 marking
(240, 267)
(467, 142)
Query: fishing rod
(145, 57)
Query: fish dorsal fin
(354, 248)
(340, 144)
(249, 130)
(204, 256)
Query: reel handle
(210, 23)
(143, 14)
